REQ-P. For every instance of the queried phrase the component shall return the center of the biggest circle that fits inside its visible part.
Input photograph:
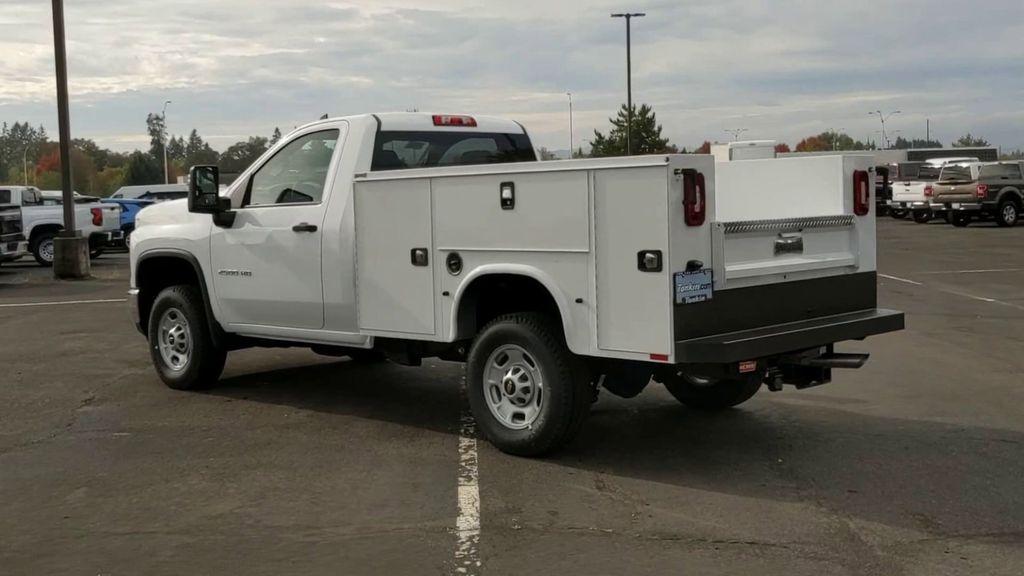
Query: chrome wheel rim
(46, 250)
(513, 387)
(174, 340)
(1009, 213)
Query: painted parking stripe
(467, 524)
(63, 303)
(904, 280)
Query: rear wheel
(960, 219)
(1007, 213)
(180, 344)
(898, 214)
(528, 392)
(711, 394)
(42, 248)
(922, 216)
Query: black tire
(567, 393)
(960, 219)
(205, 360)
(1007, 213)
(922, 216)
(95, 253)
(711, 395)
(39, 248)
(898, 214)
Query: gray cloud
(783, 69)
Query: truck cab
(432, 235)
(12, 238)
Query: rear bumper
(786, 338)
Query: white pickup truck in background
(42, 219)
(914, 195)
(412, 235)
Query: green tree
(176, 148)
(198, 152)
(19, 143)
(546, 154)
(142, 168)
(240, 155)
(902, 143)
(968, 141)
(157, 135)
(646, 134)
(275, 136)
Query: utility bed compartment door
(788, 219)
(630, 218)
(394, 287)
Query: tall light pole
(569, 94)
(835, 136)
(629, 78)
(882, 118)
(24, 163)
(735, 132)
(163, 116)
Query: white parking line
(901, 280)
(981, 271)
(63, 303)
(467, 525)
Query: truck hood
(170, 212)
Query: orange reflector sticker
(748, 366)
(660, 357)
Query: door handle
(304, 227)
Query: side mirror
(203, 188)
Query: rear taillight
(695, 206)
(982, 190)
(861, 192)
(449, 120)
(929, 191)
(97, 216)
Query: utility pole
(167, 135)
(735, 133)
(882, 118)
(70, 249)
(24, 163)
(629, 78)
(928, 129)
(569, 94)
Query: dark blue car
(129, 208)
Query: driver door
(267, 265)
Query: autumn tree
(704, 148)
(645, 134)
(782, 148)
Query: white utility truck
(744, 150)
(412, 235)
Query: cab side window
(1001, 172)
(295, 174)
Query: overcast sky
(781, 69)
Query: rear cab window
(961, 173)
(1001, 172)
(399, 150)
(5, 196)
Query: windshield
(956, 173)
(396, 150)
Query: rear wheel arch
(489, 294)
(160, 269)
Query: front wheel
(711, 394)
(180, 344)
(960, 219)
(1007, 213)
(42, 248)
(528, 392)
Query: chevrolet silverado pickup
(43, 218)
(12, 240)
(412, 235)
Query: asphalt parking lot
(304, 464)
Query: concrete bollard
(71, 256)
